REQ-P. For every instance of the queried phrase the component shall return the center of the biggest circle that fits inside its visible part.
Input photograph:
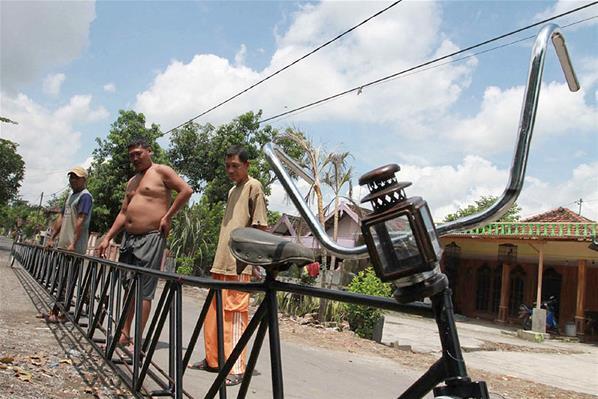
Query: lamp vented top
(385, 190)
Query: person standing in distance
(72, 228)
(145, 215)
(245, 206)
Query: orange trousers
(236, 315)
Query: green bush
(184, 265)
(362, 319)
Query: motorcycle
(525, 314)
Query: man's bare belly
(144, 214)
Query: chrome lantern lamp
(401, 237)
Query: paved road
(309, 372)
(570, 365)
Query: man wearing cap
(72, 226)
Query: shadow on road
(88, 364)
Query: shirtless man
(146, 215)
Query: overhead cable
(433, 61)
(285, 67)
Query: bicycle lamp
(401, 237)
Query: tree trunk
(334, 230)
(323, 265)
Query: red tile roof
(559, 215)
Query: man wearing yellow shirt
(245, 206)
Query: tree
(57, 201)
(512, 215)
(336, 177)
(22, 216)
(7, 120)
(194, 234)
(111, 169)
(12, 171)
(197, 152)
(314, 160)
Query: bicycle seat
(252, 246)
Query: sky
(68, 67)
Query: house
(495, 268)
(349, 228)
(348, 235)
(554, 248)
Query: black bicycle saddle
(252, 246)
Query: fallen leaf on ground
(67, 361)
(22, 374)
(7, 359)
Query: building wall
(466, 288)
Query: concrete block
(539, 320)
(531, 335)
(378, 329)
(400, 347)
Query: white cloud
(36, 36)
(110, 87)
(539, 196)
(562, 6)
(48, 140)
(447, 188)
(240, 56)
(494, 128)
(279, 201)
(183, 90)
(53, 83)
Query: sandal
(234, 379)
(203, 365)
(54, 318)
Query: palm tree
(336, 177)
(314, 160)
(186, 238)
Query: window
(517, 277)
(483, 282)
(496, 285)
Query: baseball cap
(78, 171)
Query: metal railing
(584, 231)
(93, 297)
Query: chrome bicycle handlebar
(526, 127)
(519, 163)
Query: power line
(424, 64)
(285, 67)
(414, 72)
(447, 63)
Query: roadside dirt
(500, 386)
(38, 360)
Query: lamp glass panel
(429, 223)
(396, 245)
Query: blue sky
(68, 67)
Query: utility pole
(41, 214)
(579, 202)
